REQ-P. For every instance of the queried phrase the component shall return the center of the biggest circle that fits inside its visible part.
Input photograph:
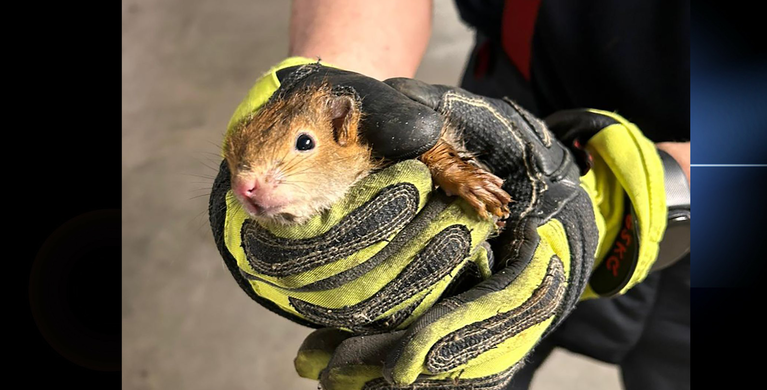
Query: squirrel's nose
(258, 188)
(259, 193)
(249, 192)
(247, 187)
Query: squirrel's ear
(345, 115)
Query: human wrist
(380, 39)
(680, 151)
(676, 240)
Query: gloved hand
(478, 339)
(625, 179)
(377, 259)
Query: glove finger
(574, 128)
(493, 325)
(317, 350)
(434, 247)
(568, 125)
(356, 362)
(429, 95)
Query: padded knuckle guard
(382, 260)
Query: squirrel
(302, 152)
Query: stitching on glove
(538, 186)
(437, 204)
(563, 169)
(581, 238)
(439, 257)
(390, 210)
(387, 323)
(451, 97)
(431, 210)
(521, 223)
(542, 135)
(466, 343)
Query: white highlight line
(728, 165)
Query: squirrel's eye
(304, 142)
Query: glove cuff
(626, 185)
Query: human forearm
(381, 39)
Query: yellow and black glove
(624, 176)
(477, 339)
(381, 256)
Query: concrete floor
(186, 324)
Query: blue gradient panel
(728, 118)
(728, 230)
(728, 92)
